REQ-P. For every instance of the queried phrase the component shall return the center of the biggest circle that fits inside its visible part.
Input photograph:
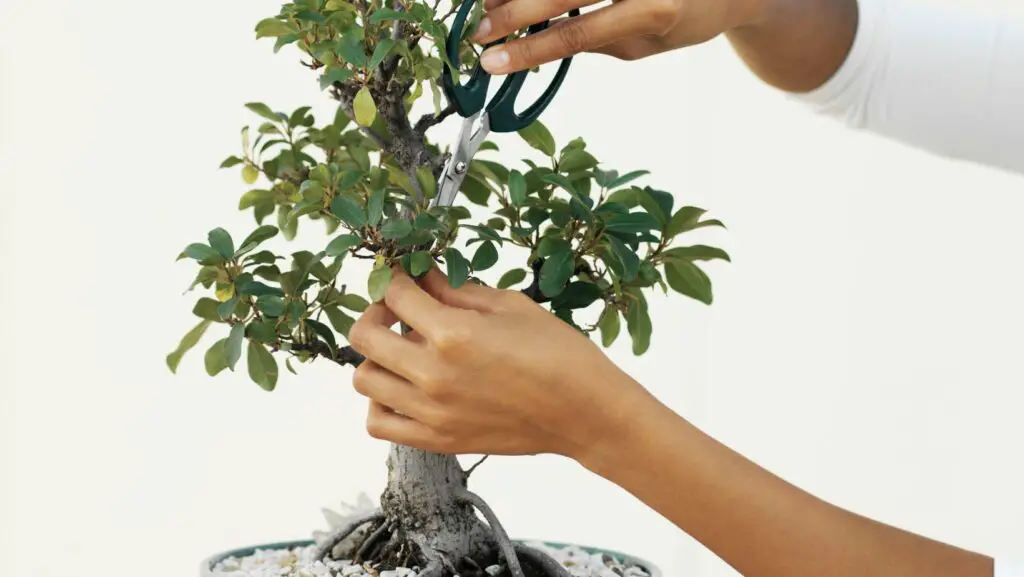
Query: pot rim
(206, 569)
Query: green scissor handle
(469, 98)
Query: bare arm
(759, 524)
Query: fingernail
(483, 29)
(494, 60)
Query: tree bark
(422, 500)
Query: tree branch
(428, 120)
(346, 355)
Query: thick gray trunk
(422, 500)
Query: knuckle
(452, 338)
(520, 52)
(437, 386)
(662, 15)
(357, 336)
(374, 427)
(502, 19)
(361, 378)
(573, 35)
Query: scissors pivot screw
(460, 167)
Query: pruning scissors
(469, 100)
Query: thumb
(470, 295)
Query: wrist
(624, 429)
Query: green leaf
(233, 347)
(514, 276)
(638, 323)
(576, 160)
(263, 110)
(380, 52)
(221, 242)
(485, 257)
(288, 365)
(272, 27)
(188, 341)
(377, 284)
(632, 223)
(695, 252)
(231, 161)
(395, 229)
(342, 244)
(348, 211)
(263, 331)
(202, 253)
(388, 14)
(609, 325)
(688, 218)
(561, 181)
(227, 308)
(215, 358)
(627, 258)
(517, 188)
(578, 295)
(339, 320)
(364, 107)
(353, 302)
(555, 272)
(258, 236)
(626, 179)
(270, 305)
(688, 279)
(420, 263)
(206, 308)
(262, 366)
(351, 49)
(257, 289)
(375, 207)
(458, 268)
(254, 197)
(333, 75)
(537, 135)
(324, 332)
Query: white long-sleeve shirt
(947, 77)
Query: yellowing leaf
(364, 107)
(250, 174)
(224, 292)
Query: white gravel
(298, 562)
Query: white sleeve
(1005, 568)
(947, 77)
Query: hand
(485, 371)
(626, 29)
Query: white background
(864, 344)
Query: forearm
(797, 45)
(758, 523)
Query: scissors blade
(466, 146)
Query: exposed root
(327, 546)
(434, 569)
(371, 541)
(548, 565)
(505, 544)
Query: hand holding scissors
(470, 101)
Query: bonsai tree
(592, 243)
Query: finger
(631, 48)
(383, 423)
(508, 16)
(580, 34)
(382, 386)
(413, 305)
(373, 338)
(468, 296)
